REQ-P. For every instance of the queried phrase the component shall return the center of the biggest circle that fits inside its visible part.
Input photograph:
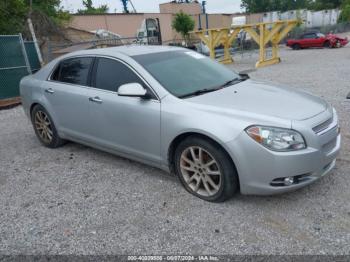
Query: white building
(310, 18)
(322, 18)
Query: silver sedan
(177, 110)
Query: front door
(309, 40)
(129, 125)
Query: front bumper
(258, 167)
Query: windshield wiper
(199, 92)
(207, 90)
(233, 82)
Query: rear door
(66, 93)
(129, 125)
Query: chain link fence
(335, 29)
(14, 65)
(18, 59)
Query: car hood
(336, 37)
(263, 99)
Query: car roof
(129, 50)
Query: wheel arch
(32, 107)
(177, 140)
(42, 101)
(49, 111)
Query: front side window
(74, 71)
(111, 74)
(309, 36)
(185, 72)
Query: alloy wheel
(43, 126)
(200, 171)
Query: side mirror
(348, 97)
(132, 90)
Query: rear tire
(296, 47)
(205, 169)
(44, 128)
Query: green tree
(256, 6)
(45, 14)
(183, 24)
(12, 16)
(51, 9)
(325, 4)
(345, 12)
(90, 9)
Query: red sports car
(317, 40)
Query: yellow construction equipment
(261, 33)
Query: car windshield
(186, 73)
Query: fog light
(288, 181)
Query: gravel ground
(77, 200)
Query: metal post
(25, 54)
(49, 50)
(199, 22)
(207, 21)
(31, 29)
(160, 40)
(147, 31)
(203, 7)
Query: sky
(152, 6)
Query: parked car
(314, 39)
(180, 111)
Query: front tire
(45, 128)
(327, 44)
(205, 169)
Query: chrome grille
(323, 126)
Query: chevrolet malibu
(174, 109)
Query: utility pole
(32, 32)
(125, 6)
(133, 7)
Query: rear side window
(73, 71)
(111, 74)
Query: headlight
(277, 139)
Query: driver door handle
(95, 99)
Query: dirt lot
(77, 200)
